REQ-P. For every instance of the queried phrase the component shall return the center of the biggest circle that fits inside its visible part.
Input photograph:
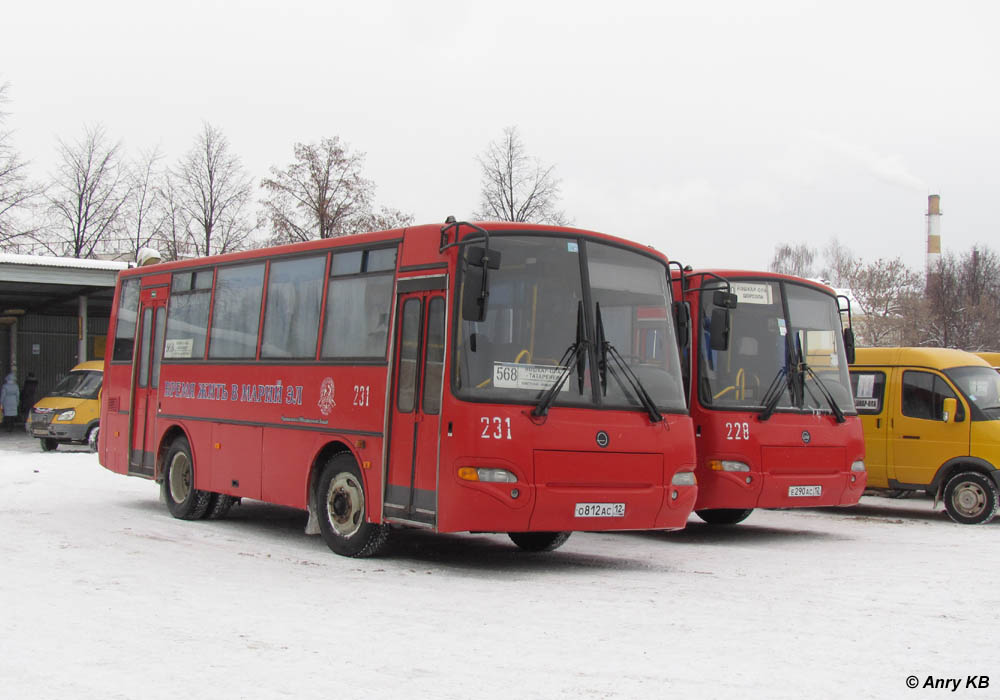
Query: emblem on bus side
(326, 392)
(602, 438)
(806, 437)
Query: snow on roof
(53, 261)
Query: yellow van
(931, 419)
(70, 413)
(993, 358)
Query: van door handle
(911, 437)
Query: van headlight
(67, 415)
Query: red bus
(462, 377)
(775, 422)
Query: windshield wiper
(606, 350)
(837, 412)
(773, 394)
(574, 354)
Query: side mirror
(849, 345)
(724, 300)
(719, 332)
(682, 323)
(950, 408)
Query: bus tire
(49, 444)
(219, 505)
(342, 511)
(724, 516)
(184, 501)
(971, 498)
(539, 541)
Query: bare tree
(838, 261)
(145, 214)
(88, 195)
(963, 302)
(215, 192)
(516, 187)
(793, 260)
(16, 192)
(883, 291)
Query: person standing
(28, 390)
(9, 399)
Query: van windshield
(79, 384)
(981, 386)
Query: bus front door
(411, 486)
(145, 379)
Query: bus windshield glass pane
(818, 335)
(634, 297)
(128, 312)
(741, 375)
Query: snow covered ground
(104, 595)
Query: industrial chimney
(933, 232)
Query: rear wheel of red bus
(724, 516)
(539, 541)
(184, 501)
(342, 510)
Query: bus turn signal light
(485, 474)
(725, 465)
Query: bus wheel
(971, 498)
(724, 516)
(539, 541)
(92, 438)
(184, 501)
(219, 505)
(341, 510)
(48, 444)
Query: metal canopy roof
(31, 284)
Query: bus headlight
(501, 476)
(725, 465)
(67, 415)
(683, 479)
(858, 466)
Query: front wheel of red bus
(724, 516)
(184, 501)
(539, 541)
(341, 510)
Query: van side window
(924, 394)
(868, 389)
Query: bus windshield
(981, 386)
(545, 296)
(786, 349)
(82, 384)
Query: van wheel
(48, 444)
(342, 510)
(92, 438)
(539, 541)
(971, 498)
(724, 516)
(184, 501)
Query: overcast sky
(711, 130)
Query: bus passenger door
(411, 484)
(145, 379)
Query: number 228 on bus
(487, 378)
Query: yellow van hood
(61, 403)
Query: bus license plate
(794, 491)
(600, 510)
